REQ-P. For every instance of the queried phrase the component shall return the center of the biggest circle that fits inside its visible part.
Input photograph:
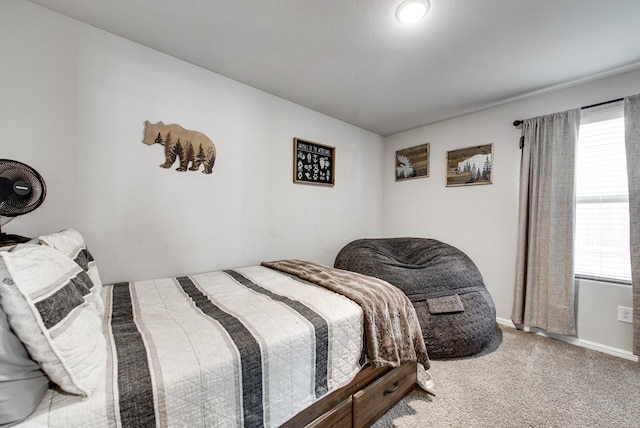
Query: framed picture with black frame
(313, 163)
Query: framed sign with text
(313, 163)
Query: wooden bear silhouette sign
(189, 147)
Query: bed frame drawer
(361, 402)
(373, 401)
(339, 416)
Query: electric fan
(22, 190)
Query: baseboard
(575, 341)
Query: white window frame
(584, 262)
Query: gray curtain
(632, 141)
(545, 293)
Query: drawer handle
(391, 390)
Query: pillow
(22, 383)
(71, 243)
(44, 296)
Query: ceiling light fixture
(412, 10)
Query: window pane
(601, 159)
(602, 240)
(602, 202)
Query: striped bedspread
(243, 347)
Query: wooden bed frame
(360, 403)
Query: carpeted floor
(525, 380)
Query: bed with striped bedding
(245, 347)
(252, 346)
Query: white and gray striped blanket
(245, 347)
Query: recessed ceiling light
(412, 10)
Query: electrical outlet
(625, 314)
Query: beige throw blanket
(392, 330)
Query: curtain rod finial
(517, 123)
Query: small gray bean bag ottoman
(456, 312)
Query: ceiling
(351, 59)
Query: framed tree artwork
(470, 166)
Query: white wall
(74, 103)
(482, 220)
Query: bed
(284, 343)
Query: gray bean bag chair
(456, 312)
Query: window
(602, 196)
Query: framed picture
(313, 163)
(470, 166)
(412, 162)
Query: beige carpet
(525, 380)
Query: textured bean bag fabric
(455, 309)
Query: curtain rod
(603, 103)
(519, 122)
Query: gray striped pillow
(49, 301)
(71, 243)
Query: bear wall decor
(188, 146)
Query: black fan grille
(12, 203)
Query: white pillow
(71, 243)
(48, 303)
